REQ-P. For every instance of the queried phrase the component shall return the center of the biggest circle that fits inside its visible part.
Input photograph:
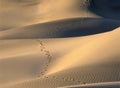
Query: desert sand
(59, 44)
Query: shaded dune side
(105, 8)
(62, 29)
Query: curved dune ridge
(98, 85)
(63, 28)
(59, 44)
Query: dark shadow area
(62, 29)
(105, 8)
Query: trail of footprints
(47, 53)
(49, 57)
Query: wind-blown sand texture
(59, 44)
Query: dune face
(97, 85)
(59, 44)
(106, 8)
(17, 13)
(62, 29)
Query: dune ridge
(62, 28)
(98, 85)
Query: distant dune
(59, 44)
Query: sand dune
(72, 64)
(63, 28)
(59, 44)
(97, 85)
(106, 8)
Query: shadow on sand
(105, 8)
(62, 29)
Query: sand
(59, 44)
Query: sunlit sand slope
(70, 64)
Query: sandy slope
(27, 12)
(62, 28)
(52, 45)
(71, 64)
(97, 85)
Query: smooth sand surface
(59, 44)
